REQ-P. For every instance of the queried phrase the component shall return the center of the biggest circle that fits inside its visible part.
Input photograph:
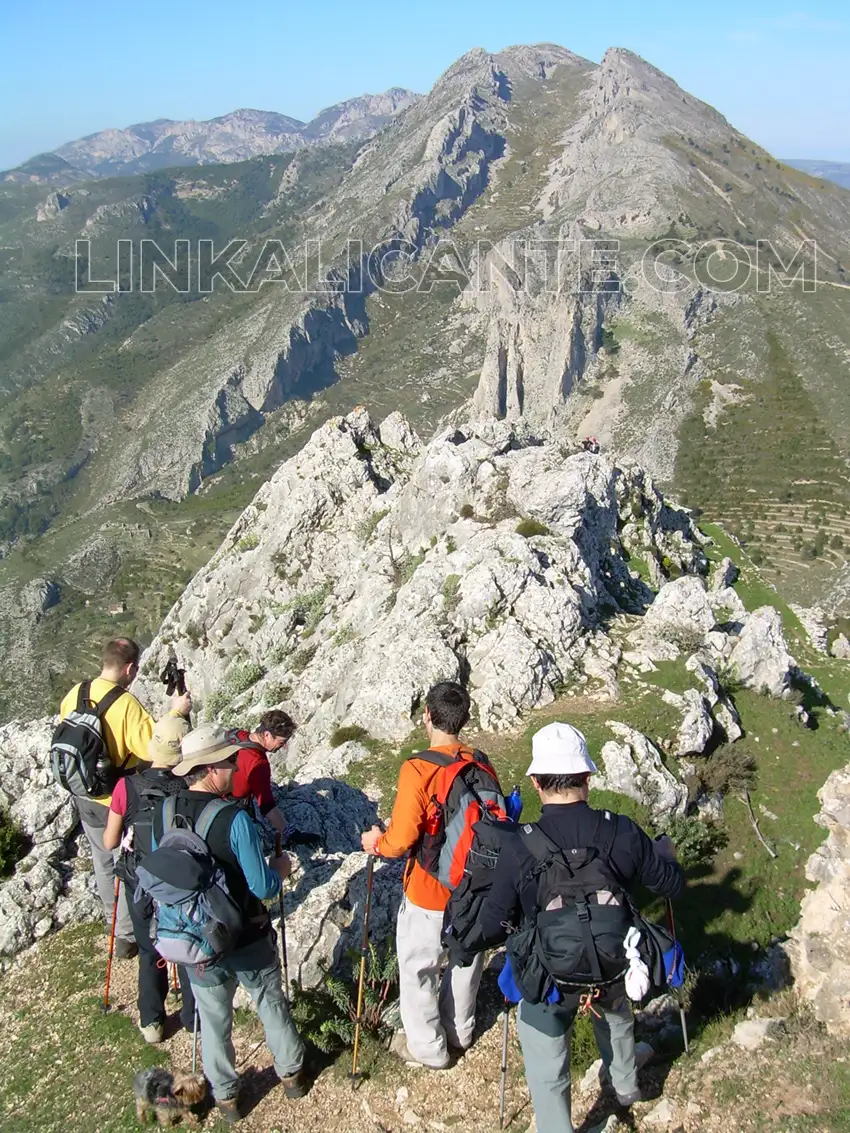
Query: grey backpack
(79, 758)
(195, 919)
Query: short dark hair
(448, 703)
(277, 723)
(560, 783)
(121, 651)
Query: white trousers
(437, 1006)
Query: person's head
(446, 708)
(164, 745)
(560, 764)
(121, 661)
(208, 760)
(274, 730)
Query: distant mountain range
(837, 171)
(237, 136)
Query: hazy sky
(779, 72)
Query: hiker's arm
(138, 729)
(114, 829)
(115, 818)
(502, 906)
(660, 874)
(408, 815)
(248, 851)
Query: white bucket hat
(208, 744)
(559, 749)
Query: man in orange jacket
(435, 1012)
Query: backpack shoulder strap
(169, 814)
(607, 827)
(83, 696)
(103, 706)
(210, 813)
(438, 758)
(539, 845)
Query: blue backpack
(195, 919)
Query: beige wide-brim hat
(207, 745)
(164, 744)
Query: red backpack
(465, 827)
(465, 790)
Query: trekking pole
(105, 1005)
(504, 1070)
(679, 990)
(283, 956)
(364, 952)
(195, 1040)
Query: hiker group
(171, 817)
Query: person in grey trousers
(208, 764)
(560, 773)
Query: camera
(173, 677)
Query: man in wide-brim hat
(208, 763)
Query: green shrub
(242, 677)
(528, 528)
(451, 545)
(248, 542)
(467, 511)
(326, 1016)
(215, 704)
(195, 633)
(346, 734)
(696, 841)
(303, 658)
(451, 590)
(366, 527)
(276, 692)
(310, 607)
(14, 844)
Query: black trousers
(153, 975)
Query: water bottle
(513, 804)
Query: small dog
(168, 1097)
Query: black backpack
(149, 794)
(576, 938)
(79, 757)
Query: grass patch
(67, 1067)
(248, 542)
(528, 528)
(348, 733)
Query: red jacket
(253, 776)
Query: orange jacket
(406, 824)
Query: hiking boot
(626, 1101)
(229, 1110)
(125, 949)
(153, 1032)
(296, 1085)
(399, 1047)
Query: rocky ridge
(372, 565)
(236, 136)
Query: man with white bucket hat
(575, 840)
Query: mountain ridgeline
(591, 250)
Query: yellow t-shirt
(127, 727)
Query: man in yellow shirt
(127, 729)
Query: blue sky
(780, 73)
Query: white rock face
(43, 893)
(819, 948)
(634, 768)
(697, 724)
(841, 648)
(751, 1034)
(681, 613)
(371, 566)
(760, 657)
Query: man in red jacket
(253, 778)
